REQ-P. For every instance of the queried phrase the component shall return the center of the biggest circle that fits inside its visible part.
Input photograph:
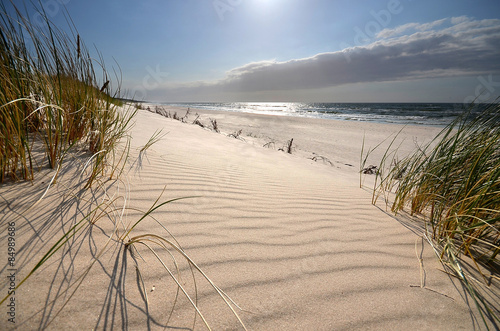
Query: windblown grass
(50, 93)
(456, 185)
(51, 103)
(453, 184)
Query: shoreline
(419, 114)
(328, 139)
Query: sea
(434, 114)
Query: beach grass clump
(236, 135)
(215, 126)
(453, 184)
(51, 98)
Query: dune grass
(456, 185)
(50, 95)
(453, 184)
(51, 104)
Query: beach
(292, 238)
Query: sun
(266, 4)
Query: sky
(294, 50)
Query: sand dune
(295, 242)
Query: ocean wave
(435, 114)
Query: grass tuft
(456, 185)
(50, 95)
(453, 184)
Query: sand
(291, 238)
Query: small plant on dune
(288, 148)
(215, 126)
(185, 117)
(454, 185)
(270, 144)
(236, 135)
(198, 122)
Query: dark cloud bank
(446, 48)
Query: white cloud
(460, 19)
(444, 48)
(388, 33)
(429, 26)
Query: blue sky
(295, 50)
